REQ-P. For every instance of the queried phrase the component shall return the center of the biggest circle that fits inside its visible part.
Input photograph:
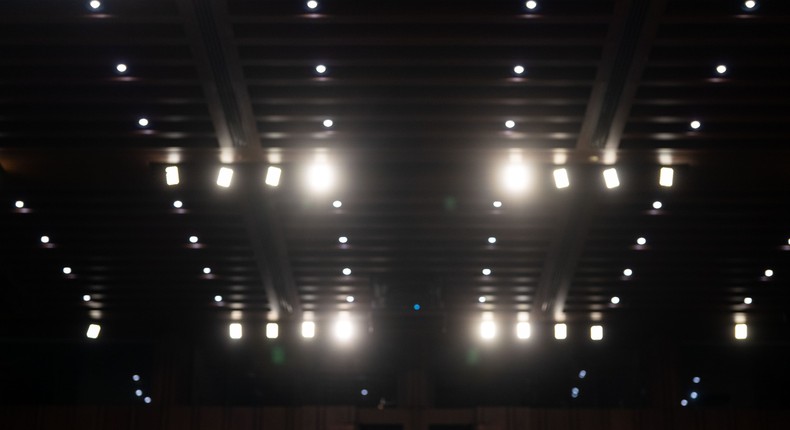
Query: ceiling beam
(631, 35)
(208, 28)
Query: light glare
(234, 330)
(641, 241)
(492, 240)
(225, 177)
(596, 332)
(344, 331)
(308, 329)
(320, 69)
(272, 330)
(337, 204)
(218, 298)
(628, 272)
(171, 175)
(695, 124)
(342, 239)
(312, 4)
(510, 124)
(481, 299)
(561, 179)
(486, 271)
(121, 68)
(498, 204)
(657, 204)
(328, 123)
(67, 270)
(93, 331)
(515, 177)
(143, 122)
(207, 270)
(273, 174)
(560, 331)
(747, 300)
(320, 177)
(346, 271)
(19, 204)
(721, 69)
(523, 330)
(193, 239)
(750, 4)
(44, 239)
(531, 4)
(350, 299)
(666, 176)
(769, 273)
(615, 300)
(518, 70)
(741, 331)
(487, 330)
(95, 4)
(610, 177)
(178, 204)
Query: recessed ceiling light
(596, 332)
(481, 299)
(234, 330)
(342, 239)
(178, 204)
(328, 123)
(721, 69)
(320, 177)
(684, 403)
(695, 125)
(486, 271)
(523, 330)
(492, 240)
(769, 273)
(510, 123)
(516, 177)
(207, 270)
(615, 300)
(67, 270)
(747, 300)
(696, 379)
(147, 400)
(19, 204)
(666, 176)
(171, 175)
(641, 241)
(136, 378)
(312, 4)
(628, 272)
(121, 68)
(44, 239)
(350, 299)
(272, 330)
(657, 204)
(224, 177)
(138, 392)
(86, 298)
(498, 204)
(750, 4)
(273, 174)
(561, 179)
(193, 239)
(320, 69)
(94, 4)
(575, 392)
(582, 374)
(693, 395)
(344, 330)
(518, 70)
(610, 178)
(487, 330)
(308, 329)
(560, 331)
(143, 122)
(346, 271)
(337, 203)
(741, 331)
(93, 331)
(217, 298)
(531, 4)
(364, 392)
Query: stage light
(531, 4)
(320, 177)
(694, 395)
(320, 69)
(560, 331)
(666, 176)
(561, 179)
(273, 174)
(741, 331)
(641, 241)
(94, 4)
(628, 272)
(721, 69)
(86, 298)
(308, 329)
(481, 299)
(657, 205)
(207, 270)
(518, 70)
(523, 330)
(193, 239)
(19, 204)
(342, 239)
(610, 177)
(684, 403)
(143, 122)
(487, 330)
(217, 298)
(582, 374)
(121, 68)
(575, 392)
(67, 270)
(596, 332)
(347, 271)
(93, 331)
(178, 204)
(234, 330)
(350, 299)
(171, 175)
(510, 124)
(750, 4)
(769, 273)
(272, 330)
(44, 239)
(138, 392)
(695, 125)
(224, 177)
(147, 400)
(498, 204)
(696, 379)
(747, 300)
(312, 4)
(486, 271)
(136, 378)
(328, 123)
(492, 240)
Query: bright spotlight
(224, 177)
(769, 273)
(121, 68)
(143, 122)
(510, 123)
(344, 331)
(234, 330)
(515, 177)
(561, 179)
(641, 241)
(44, 239)
(320, 177)
(273, 174)
(337, 204)
(750, 4)
(93, 331)
(171, 175)
(19, 204)
(747, 300)
(596, 332)
(531, 4)
(272, 330)
(741, 331)
(721, 69)
(320, 69)
(193, 239)
(695, 125)
(487, 330)
(560, 331)
(328, 123)
(523, 330)
(628, 272)
(615, 300)
(312, 4)
(178, 204)
(610, 177)
(666, 176)
(308, 329)
(518, 70)
(657, 205)
(486, 271)
(94, 4)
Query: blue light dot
(695, 379)
(684, 402)
(582, 374)
(417, 307)
(574, 392)
(364, 392)
(694, 395)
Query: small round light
(67, 270)
(136, 378)
(486, 271)
(694, 395)
(684, 403)
(350, 299)
(193, 239)
(574, 392)
(531, 4)
(615, 300)
(582, 374)
(94, 4)
(518, 70)
(217, 298)
(328, 123)
(750, 4)
(721, 69)
(121, 68)
(337, 203)
(747, 300)
(657, 205)
(86, 298)
(497, 204)
(510, 123)
(44, 239)
(19, 204)
(143, 122)
(364, 392)
(641, 241)
(628, 272)
(416, 307)
(492, 240)
(320, 69)
(346, 271)
(207, 270)
(695, 124)
(696, 379)
(342, 239)
(147, 400)
(178, 204)
(481, 299)
(312, 4)
(138, 392)
(769, 273)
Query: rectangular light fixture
(273, 176)
(560, 331)
(224, 177)
(596, 332)
(235, 330)
(308, 329)
(561, 179)
(487, 329)
(610, 177)
(93, 331)
(171, 175)
(741, 331)
(666, 176)
(272, 330)
(523, 330)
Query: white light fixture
(234, 330)
(328, 123)
(207, 270)
(684, 403)
(312, 4)
(138, 392)
(515, 177)
(693, 395)
(695, 125)
(486, 271)
(721, 69)
(596, 332)
(696, 379)
(523, 330)
(178, 204)
(628, 272)
(171, 175)
(561, 179)
(492, 240)
(344, 330)
(136, 378)
(610, 177)
(86, 298)
(224, 177)
(747, 300)
(342, 239)
(498, 204)
(641, 241)
(750, 4)
(560, 331)
(143, 122)
(121, 68)
(67, 270)
(487, 330)
(510, 123)
(44, 239)
(666, 176)
(741, 331)
(615, 300)
(346, 271)
(93, 331)
(769, 273)
(320, 69)
(94, 4)
(308, 329)
(320, 177)
(147, 400)
(19, 204)
(337, 204)
(193, 239)
(518, 69)
(481, 299)
(350, 299)
(272, 330)
(531, 4)
(657, 205)
(217, 298)
(273, 174)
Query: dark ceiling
(419, 93)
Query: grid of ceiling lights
(321, 177)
